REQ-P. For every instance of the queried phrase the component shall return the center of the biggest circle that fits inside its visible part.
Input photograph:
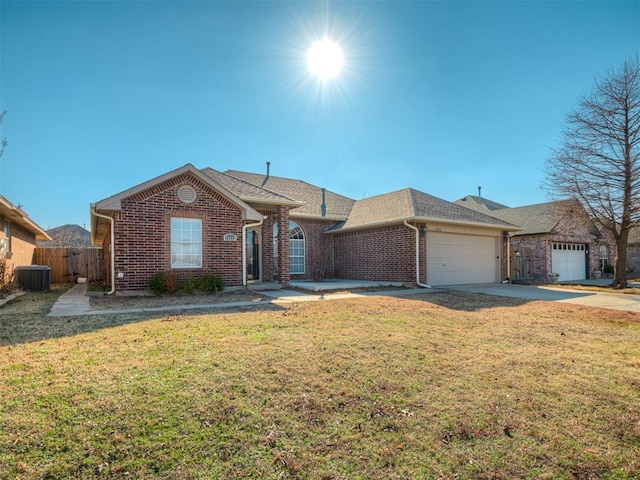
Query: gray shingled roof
(338, 206)
(245, 190)
(479, 204)
(410, 204)
(536, 219)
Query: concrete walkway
(612, 301)
(72, 302)
(75, 302)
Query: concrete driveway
(613, 301)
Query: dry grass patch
(441, 385)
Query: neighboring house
(251, 227)
(555, 238)
(67, 236)
(18, 235)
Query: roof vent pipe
(267, 177)
(323, 207)
(479, 191)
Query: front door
(253, 255)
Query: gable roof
(114, 202)
(19, 217)
(411, 205)
(308, 196)
(539, 218)
(248, 192)
(479, 204)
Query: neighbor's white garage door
(569, 260)
(456, 259)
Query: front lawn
(440, 385)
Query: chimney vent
(323, 207)
(480, 191)
(267, 177)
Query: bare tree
(3, 142)
(599, 160)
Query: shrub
(172, 282)
(8, 282)
(189, 285)
(608, 268)
(158, 283)
(210, 283)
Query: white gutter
(113, 250)
(412, 227)
(244, 249)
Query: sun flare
(325, 59)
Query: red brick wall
(22, 242)
(143, 233)
(319, 248)
(282, 216)
(386, 253)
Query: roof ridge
(248, 183)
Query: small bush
(172, 282)
(608, 268)
(8, 282)
(210, 283)
(158, 283)
(189, 285)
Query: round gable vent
(187, 194)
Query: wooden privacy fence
(69, 263)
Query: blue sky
(441, 96)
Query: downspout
(412, 227)
(113, 250)
(244, 249)
(509, 279)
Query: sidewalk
(75, 302)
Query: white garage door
(455, 259)
(569, 260)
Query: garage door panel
(569, 260)
(455, 259)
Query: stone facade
(575, 227)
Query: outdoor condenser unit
(34, 277)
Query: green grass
(444, 385)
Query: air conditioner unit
(35, 278)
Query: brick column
(283, 245)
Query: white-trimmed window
(296, 248)
(186, 243)
(604, 256)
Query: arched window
(296, 247)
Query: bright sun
(325, 59)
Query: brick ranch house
(251, 227)
(18, 235)
(555, 238)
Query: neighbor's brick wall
(386, 253)
(143, 233)
(574, 227)
(540, 256)
(23, 243)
